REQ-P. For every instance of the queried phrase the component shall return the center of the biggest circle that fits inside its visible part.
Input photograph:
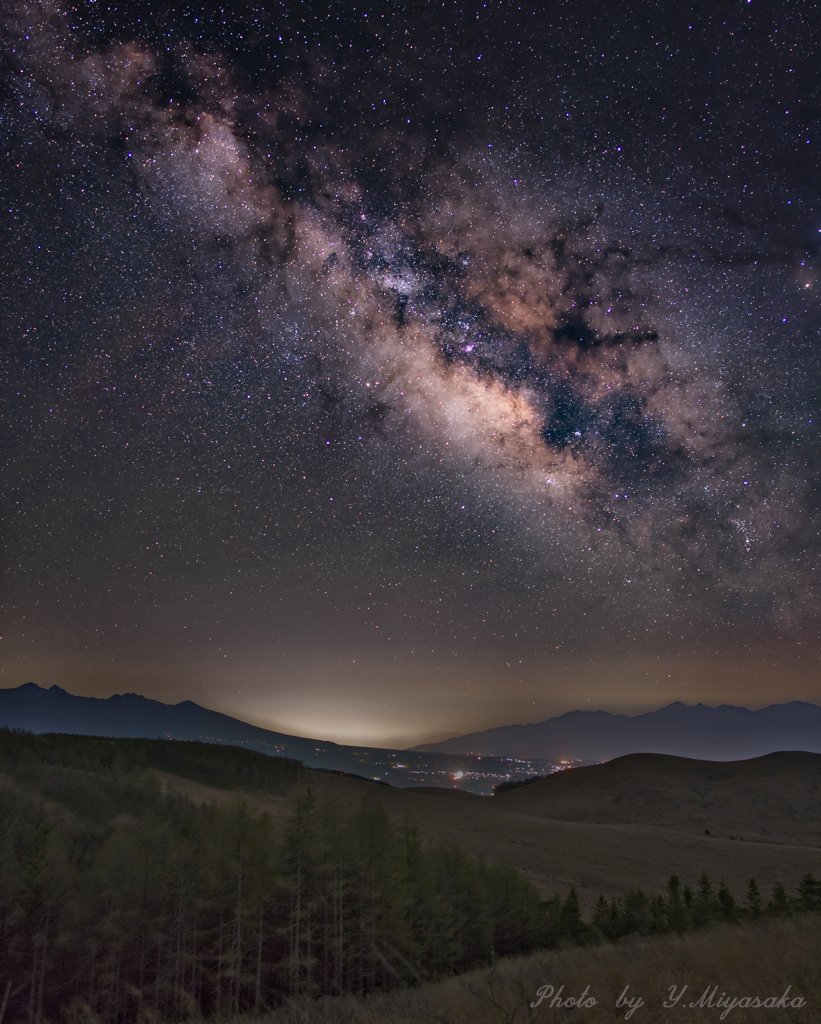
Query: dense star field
(383, 372)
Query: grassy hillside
(774, 799)
(174, 879)
(596, 858)
(736, 962)
(553, 854)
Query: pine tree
(705, 904)
(659, 921)
(676, 915)
(300, 848)
(779, 902)
(753, 906)
(809, 893)
(635, 913)
(606, 918)
(571, 925)
(727, 906)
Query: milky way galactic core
(380, 374)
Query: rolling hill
(773, 799)
(586, 827)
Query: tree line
(679, 909)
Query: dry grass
(760, 961)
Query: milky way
(373, 373)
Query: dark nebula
(381, 373)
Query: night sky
(384, 372)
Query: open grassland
(736, 962)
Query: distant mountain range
(716, 734)
(725, 733)
(38, 710)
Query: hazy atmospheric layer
(378, 378)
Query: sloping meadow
(761, 974)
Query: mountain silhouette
(725, 733)
(35, 709)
